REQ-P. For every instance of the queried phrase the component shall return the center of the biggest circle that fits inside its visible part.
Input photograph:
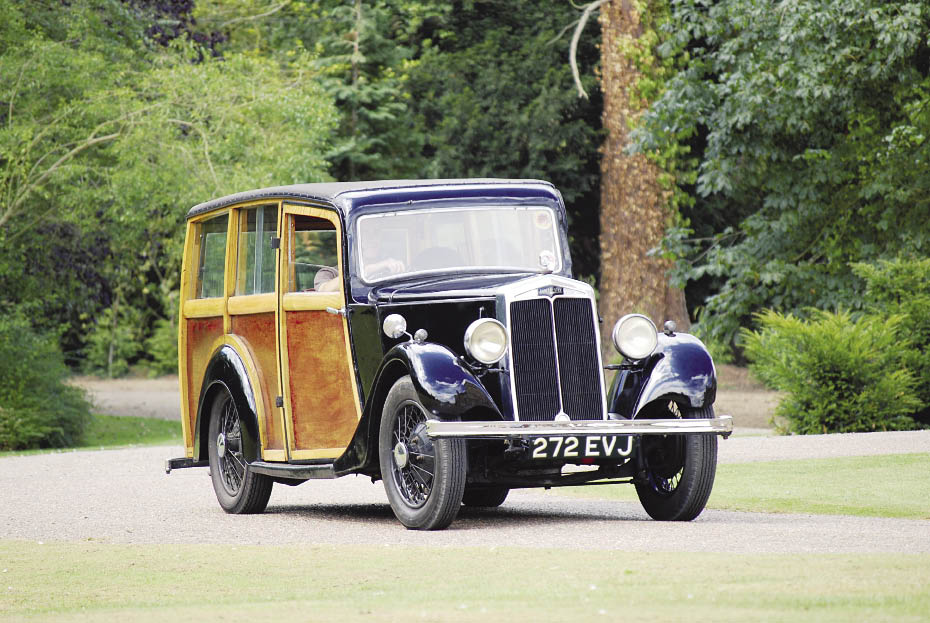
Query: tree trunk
(634, 213)
(114, 332)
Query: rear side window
(313, 262)
(212, 262)
(255, 271)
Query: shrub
(37, 409)
(162, 347)
(112, 343)
(901, 287)
(840, 374)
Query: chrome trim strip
(528, 288)
(436, 429)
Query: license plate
(592, 447)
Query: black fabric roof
(328, 192)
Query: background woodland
(718, 158)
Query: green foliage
(901, 288)
(162, 347)
(800, 133)
(37, 409)
(113, 342)
(494, 97)
(106, 140)
(840, 374)
(433, 89)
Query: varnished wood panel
(258, 332)
(323, 409)
(202, 334)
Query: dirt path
(156, 398)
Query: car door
(252, 308)
(320, 393)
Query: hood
(469, 286)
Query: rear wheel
(486, 497)
(238, 489)
(424, 478)
(679, 470)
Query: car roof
(346, 195)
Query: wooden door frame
(309, 301)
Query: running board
(182, 463)
(280, 470)
(296, 472)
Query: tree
(493, 97)
(800, 133)
(435, 89)
(361, 51)
(634, 210)
(106, 143)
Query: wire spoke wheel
(424, 479)
(232, 465)
(413, 456)
(237, 488)
(665, 458)
(677, 470)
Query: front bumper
(436, 429)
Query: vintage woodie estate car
(427, 333)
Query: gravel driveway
(124, 496)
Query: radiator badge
(551, 291)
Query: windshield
(505, 238)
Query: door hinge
(275, 243)
(279, 401)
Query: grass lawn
(92, 582)
(113, 431)
(116, 430)
(875, 486)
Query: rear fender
(227, 371)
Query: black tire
(679, 470)
(485, 497)
(424, 479)
(238, 489)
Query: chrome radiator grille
(555, 359)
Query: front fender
(444, 386)
(226, 371)
(680, 368)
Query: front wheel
(238, 489)
(424, 478)
(678, 470)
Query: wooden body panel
(324, 414)
(202, 336)
(257, 331)
(291, 347)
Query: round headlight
(394, 326)
(486, 340)
(635, 336)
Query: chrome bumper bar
(722, 425)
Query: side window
(313, 265)
(211, 265)
(256, 258)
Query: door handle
(336, 312)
